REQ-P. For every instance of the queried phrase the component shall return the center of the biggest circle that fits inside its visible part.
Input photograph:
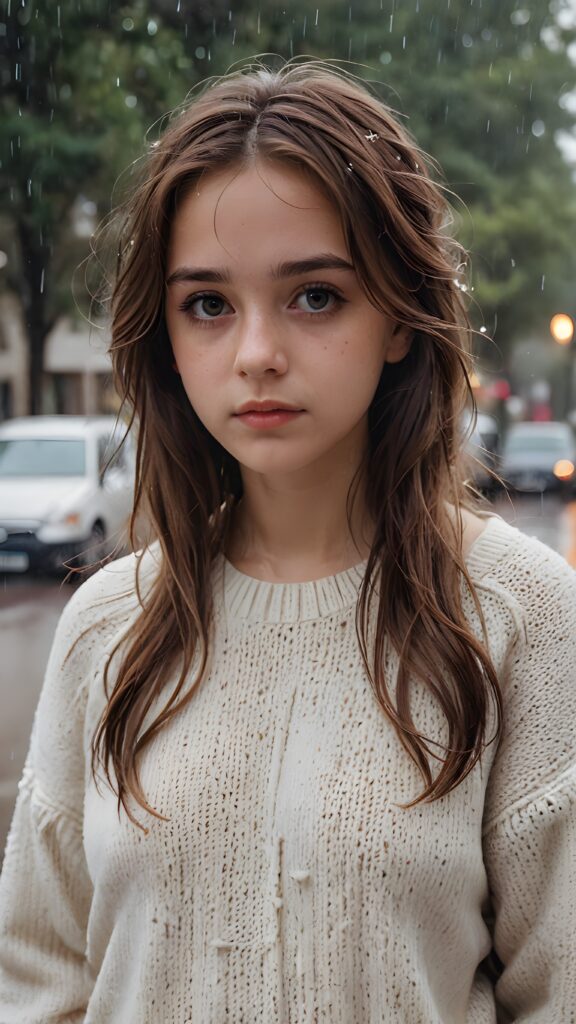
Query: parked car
(540, 457)
(61, 497)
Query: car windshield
(35, 456)
(536, 443)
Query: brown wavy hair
(313, 116)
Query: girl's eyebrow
(291, 268)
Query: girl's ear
(399, 343)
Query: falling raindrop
(316, 21)
(513, 262)
(538, 128)
(152, 27)
(542, 282)
(467, 41)
(42, 281)
(483, 330)
(258, 24)
(304, 28)
(487, 126)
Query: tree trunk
(35, 261)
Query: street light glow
(562, 328)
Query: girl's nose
(260, 345)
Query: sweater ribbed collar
(261, 601)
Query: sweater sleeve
(530, 820)
(45, 888)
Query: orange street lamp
(562, 328)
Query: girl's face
(262, 303)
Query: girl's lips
(273, 418)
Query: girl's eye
(205, 307)
(318, 299)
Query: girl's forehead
(265, 181)
(254, 211)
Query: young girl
(309, 756)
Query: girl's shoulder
(522, 584)
(111, 597)
(493, 547)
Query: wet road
(29, 611)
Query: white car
(61, 497)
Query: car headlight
(68, 519)
(563, 469)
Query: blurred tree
(82, 83)
(481, 84)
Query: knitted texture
(287, 886)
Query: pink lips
(272, 418)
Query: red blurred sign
(500, 389)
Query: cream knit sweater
(287, 885)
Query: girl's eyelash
(330, 289)
(186, 305)
(189, 301)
